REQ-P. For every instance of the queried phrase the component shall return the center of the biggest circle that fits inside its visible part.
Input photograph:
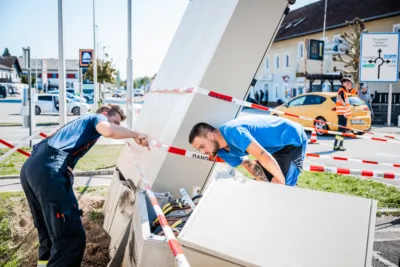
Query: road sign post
(379, 61)
(85, 59)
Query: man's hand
(142, 140)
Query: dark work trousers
(342, 121)
(47, 184)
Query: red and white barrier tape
(183, 152)
(312, 168)
(23, 152)
(353, 160)
(364, 173)
(352, 135)
(172, 241)
(241, 102)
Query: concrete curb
(76, 173)
(387, 212)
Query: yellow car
(322, 106)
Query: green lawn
(387, 196)
(99, 157)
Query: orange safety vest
(343, 105)
(353, 91)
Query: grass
(387, 196)
(7, 201)
(99, 157)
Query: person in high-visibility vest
(343, 111)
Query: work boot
(339, 148)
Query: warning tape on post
(353, 160)
(172, 241)
(237, 101)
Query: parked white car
(49, 103)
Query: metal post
(61, 68)
(30, 95)
(36, 76)
(324, 29)
(129, 76)
(389, 116)
(96, 92)
(81, 87)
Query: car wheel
(320, 125)
(358, 133)
(76, 111)
(275, 115)
(37, 110)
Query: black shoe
(339, 148)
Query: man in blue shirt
(47, 180)
(278, 144)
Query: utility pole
(96, 92)
(30, 97)
(61, 67)
(326, 8)
(129, 76)
(36, 76)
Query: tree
(6, 53)
(105, 73)
(24, 79)
(353, 53)
(141, 81)
(117, 80)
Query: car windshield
(354, 100)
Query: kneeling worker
(46, 178)
(278, 144)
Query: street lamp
(94, 59)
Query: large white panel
(261, 224)
(218, 46)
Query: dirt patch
(25, 240)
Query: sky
(34, 23)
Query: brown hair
(112, 110)
(200, 130)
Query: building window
(276, 91)
(287, 60)
(396, 28)
(300, 50)
(267, 63)
(277, 61)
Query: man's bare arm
(267, 161)
(114, 131)
(254, 169)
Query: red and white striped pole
(176, 248)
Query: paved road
(10, 185)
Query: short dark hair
(200, 129)
(112, 110)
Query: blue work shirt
(271, 132)
(78, 136)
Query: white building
(71, 67)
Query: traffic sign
(85, 57)
(379, 57)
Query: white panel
(218, 46)
(262, 224)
